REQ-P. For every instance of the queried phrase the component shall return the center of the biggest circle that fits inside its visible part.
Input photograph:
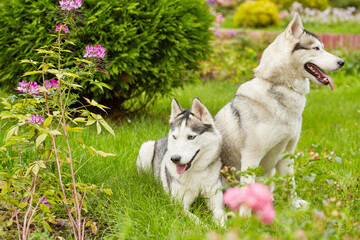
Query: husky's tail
(145, 157)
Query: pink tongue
(180, 169)
(330, 82)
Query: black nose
(341, 63)
(175, 159)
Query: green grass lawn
(139, 209)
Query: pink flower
(70, 4)
(28, 87)
(51, 84)
(62, 28)
(36, 119)
(45, 202)
(256, 196)
(234, 197)
(231, 33)
(97, 51)
(219, 18)
(267, 214)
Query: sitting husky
(187, 161)
(264, 118)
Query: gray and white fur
(264, 118)
(187, 162)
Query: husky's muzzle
(180, 169)
(320, 75)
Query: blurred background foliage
(152, 46)
(156, 46)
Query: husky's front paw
(244, 211)
(299, 203)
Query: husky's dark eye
(316, 48)
(191, 137)
(174, 136)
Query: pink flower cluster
(36, 119)
(97, 51)
(70, 4)
(62, 28)
(33, 87)
(28, 87)
(45, 202)
(256, 196)
(48, 84)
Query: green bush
(151, 45)
(345, 3)
(256, 14)
(284, 4)
(233, 59)
(318, 4)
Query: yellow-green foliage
(256, 14)
(318, 4)
(284, 4)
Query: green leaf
(70, 42)
(90, 122)
(71, 75)
(22, 205)
(98, 127)
(108, 191)
(6, 103)
(35, 169)
(40, 139)
(54, 132)
(41, 164)
(28, 61)
(80, 119)
(31, 73)
(74, 129)
(47, 122)
(46, 226)
(104, 154)
(11, 132)
(107, 127)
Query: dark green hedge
(152, 45)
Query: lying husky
(187, 161)
(264, 118)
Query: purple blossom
(45, 202)
(70, 4)
(97, 51)
(231, 33)
(48, 84)
(62, 28)
(210, 1)
(38, 119)
(28, 87)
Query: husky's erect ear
(176, 109)
(200, 111)
(295, 28)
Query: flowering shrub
(37, 182)
(151, 46)
(328, 16)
